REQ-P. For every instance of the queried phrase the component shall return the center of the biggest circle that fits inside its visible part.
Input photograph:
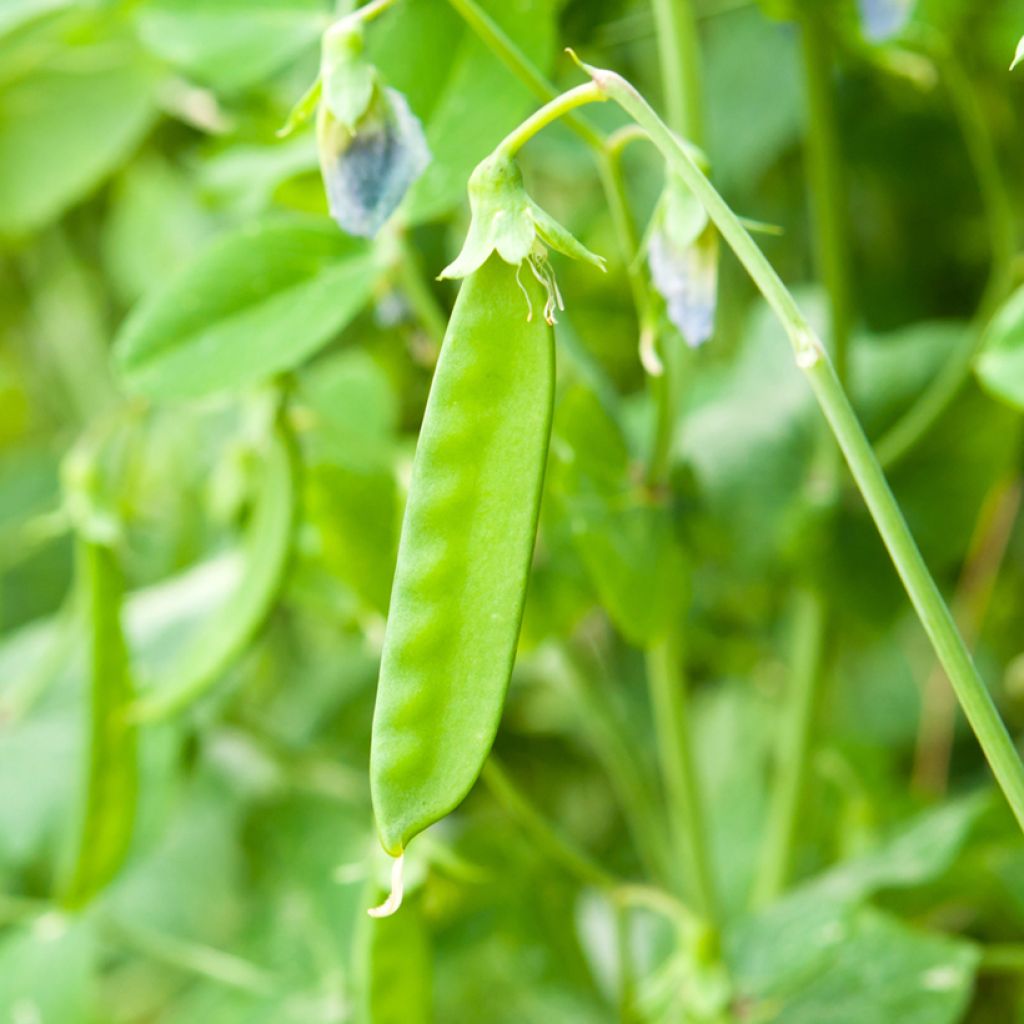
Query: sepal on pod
(505, 220)
(682, 253)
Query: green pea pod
(228, 634)
(464, 554)
(112, 774)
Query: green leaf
(624, 536)
(230, 44)
(112, 773)
(254, 304)
(1000, 366)
(65, 125)
(230, 632)
(867, 966)
(48, 971)
(17, 13)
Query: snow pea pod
(464, 554)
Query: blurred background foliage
(139, 170)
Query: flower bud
(372, 146)
(682, 253)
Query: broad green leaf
(624, 536)
(231, 44)
(356, 516)
(228, 633)
(155, 226)
(754, 95)
(16, 13)
(255, 303)
(1000, 366)
(66, 124)
(779, 947)
(108, 816)
(868, 966)
(49, 970)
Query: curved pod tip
(394, 900)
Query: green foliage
(269, 531)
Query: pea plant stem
(810, 611)
(670, 706)
(552, 111)
(931, 609)
(497, 41)
(794, 745)
(679, 55)
(825, 177)
(679, 59)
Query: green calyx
(505, 220)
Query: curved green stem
(931, 609)
(552, 111)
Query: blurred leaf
(1000, 365)
(867, 966)
(231, 44)
(48, 971)
(228, 634)
(155, 226)
(754, 94)
(255, 303)
(624, 536)
(66, 124)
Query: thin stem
(916, 423)
(828, 219)
(495, 39)
(827, 190)
(672, 731)
(970, 605)
(935, 616)
(1006, 958)
(679, 56)
(575, 862)
(792, 753)
(551, 111)
(418, 294)
(811, 358)
(613, 749)
(679, 60)
(572, 860)
(192, 957)
(372, 10)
